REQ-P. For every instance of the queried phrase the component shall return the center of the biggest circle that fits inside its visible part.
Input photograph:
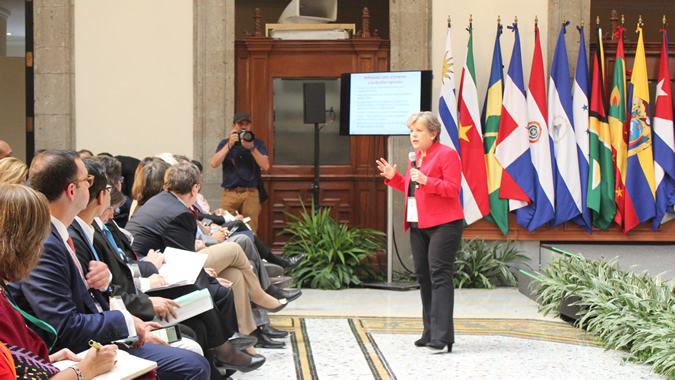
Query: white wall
(485, 14)
(134, 81)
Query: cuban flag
(513, 148)
(664, 142)
(580, 115)
(568, 200)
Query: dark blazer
(137, 303)
(56, 294)
(162, 222)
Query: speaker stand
(317, 151)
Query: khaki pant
(247, 203)
(230, 262)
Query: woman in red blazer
(435, 218)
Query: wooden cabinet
(355, 192)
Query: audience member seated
(166, 221)
(5, 150)
(148, 182)
(201, 207)
(58, 292)
(13, 170)
(85, 153)
(24, 226)
(129, 165)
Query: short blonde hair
(24, 226)
(429, 120)
(13, 170)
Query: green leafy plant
(631, 311)
(486, 265)
(336, 255)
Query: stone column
(410, 35)
(54, 74)
(574, 11)
(213, 85)
(4, 15)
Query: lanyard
(37, 322)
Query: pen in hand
(95, 345)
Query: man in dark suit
(91, 244)
(58, 292)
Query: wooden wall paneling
(260, 60)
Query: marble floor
(369, 334)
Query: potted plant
(337, 256)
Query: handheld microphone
(413, 160)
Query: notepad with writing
(127, 366)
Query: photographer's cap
(240, 117)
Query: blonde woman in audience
(13, 170)
(24, 226)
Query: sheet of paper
(181, 267)
(127, 366)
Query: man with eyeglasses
(59, 293)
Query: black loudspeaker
(315, 102)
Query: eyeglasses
(120, 180)
(108, 188)
(89, 179)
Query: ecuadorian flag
(640, 203)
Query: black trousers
(434, 250)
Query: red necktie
(70, 243)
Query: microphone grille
(412, 157)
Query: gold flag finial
(564, 20)
(623, 20)
(582, 23)
(516, 19)
(448, 21)
(664, 21)
(597, 20)
(640, 20)
(499, 20)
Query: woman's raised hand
(386, 170)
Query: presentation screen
(381, 103)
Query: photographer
(242, 156)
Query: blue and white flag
(568, 200)
(447, 104)
(580, 115)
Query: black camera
(244, 135)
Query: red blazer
(438, 200)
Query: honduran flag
(513, 148)
(540, 142)
(492, 110)
(474, 185)
(664, 142)
(560, 122)
(640, 187)
(580, 114)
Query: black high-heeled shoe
(438, 346)
(282, 304)
(421, 342)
